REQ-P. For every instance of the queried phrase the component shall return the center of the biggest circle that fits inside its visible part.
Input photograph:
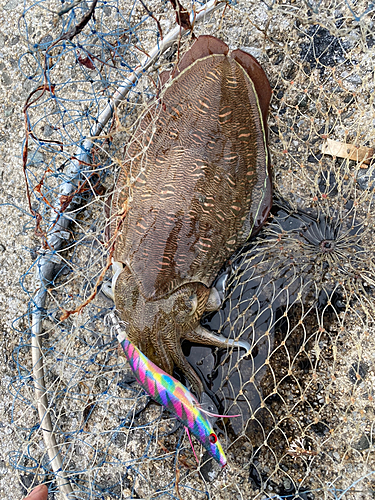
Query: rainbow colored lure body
(170, 393)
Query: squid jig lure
(169, 392)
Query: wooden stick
(360, 154)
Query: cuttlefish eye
(213, 438)
(193, 303)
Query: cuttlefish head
(158, 326)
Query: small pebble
(362, 444)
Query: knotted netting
(301, 293)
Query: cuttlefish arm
(201, 335)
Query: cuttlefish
(194, 187)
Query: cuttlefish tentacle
(201, 335)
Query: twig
(177, 481)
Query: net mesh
(301, 293)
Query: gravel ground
(14, 239)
